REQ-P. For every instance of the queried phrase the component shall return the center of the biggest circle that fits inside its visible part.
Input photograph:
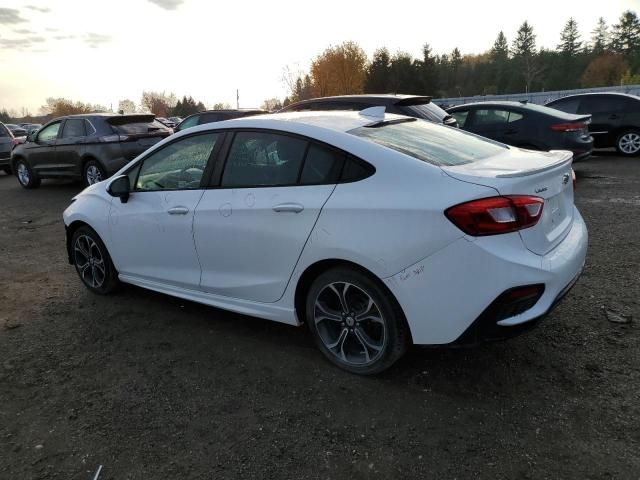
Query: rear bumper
(445, 295)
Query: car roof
(592, 94)
(339, 121)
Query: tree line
(611, 56)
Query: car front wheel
(92, 261)
(93, 173)
(355, 322)
(628, 143)
(25, 174)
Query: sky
(102, 52)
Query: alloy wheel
(89, 261)
(93, 174)
(630, 143)
(23, 174)
(350, 324)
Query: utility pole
(237, 99)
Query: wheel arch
(315, 269)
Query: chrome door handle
(178, 211)
(288, 207)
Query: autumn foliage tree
(58, 107)
(606, 69)
(339, 70)
(158, 103)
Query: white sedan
(376, 230)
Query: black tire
(93, 172)
(389, 332)
(25, 174)
(7, 170)
(628, 143)
(88, 252)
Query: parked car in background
(175, 120)
(32, 127)
(90, 147)
(615, 118)
(7, 144)
(527, 126)
(209, 116)
(16, 130)
(409, 105)
(358, 225)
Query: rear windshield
(431, 143)
(428, 111)
(137, 128)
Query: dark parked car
(7, 142)
(615, 118)
(410, 105)
(528, 126)
(210, 116)
(17, 130)
(90, 147)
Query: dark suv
(409, 105)
(210, 116)
(7, 142)
(615, 118)
(90, 147)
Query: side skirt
(268, 311)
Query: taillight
(14, 143)
(568, 127)
(114, 138)
(573, 178)
(496, 215)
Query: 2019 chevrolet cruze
(376, 230)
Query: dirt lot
(153, 387)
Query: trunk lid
(524, 172)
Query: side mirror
(120, 187)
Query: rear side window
(355, 170)
(73, 128)
(490, 116)
(263, 159)
(609, 104)
(569, 106)
(189, 122)
(210, 117)
(430, 142)
(461, 117)
(138, 128)
(321, 165)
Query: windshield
(431, 143)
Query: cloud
(64, 37)
(167, 4)
(49, 29)
(21, 43)
(10, 15)
(23, 31)
(39, 9)
(94, 40)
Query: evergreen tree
(600, 37)
(429, 69)
(570, 39)
(379, 72)
(625, 37)
(500, 49)
(524, 53)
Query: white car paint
(232, 250)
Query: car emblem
(565, 178)
(540, 190)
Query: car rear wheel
(93, 173)
(26, 176)
(628, 143)
(92, 261)
(355, 322)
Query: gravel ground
(153, 387)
